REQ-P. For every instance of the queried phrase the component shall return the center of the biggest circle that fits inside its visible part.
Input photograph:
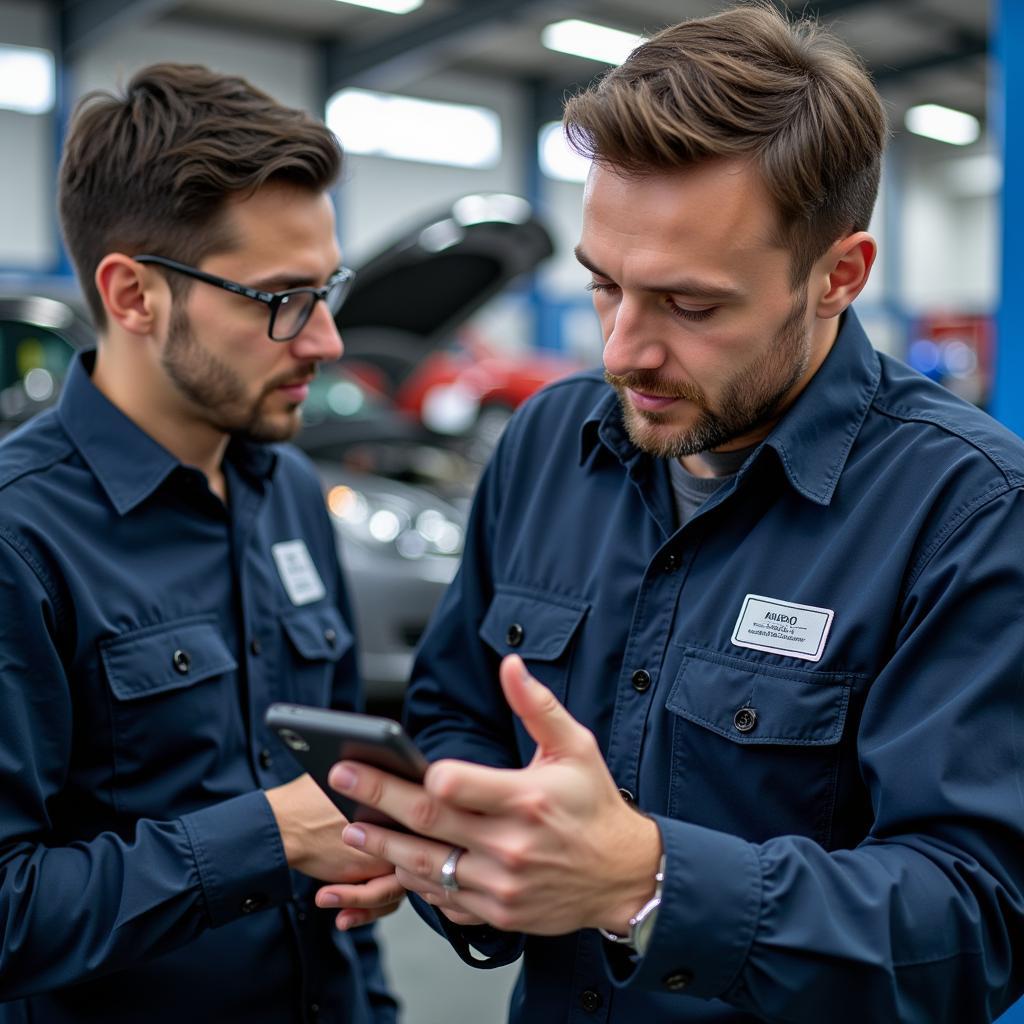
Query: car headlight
(394, 524)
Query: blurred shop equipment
(401, 323)
(957, 351)
(38, 338)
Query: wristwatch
(641, 924)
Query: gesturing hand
(548, 848)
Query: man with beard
(760, 763)
(166, 574)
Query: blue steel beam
(1008, 103)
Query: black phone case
(318, 738)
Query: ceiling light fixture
(27, 82)
(388, 6)
(943, 124)
(595, 42)
(406, 128)
(557, 158)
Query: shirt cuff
(239, 856)
(498, 948)
(710, 907)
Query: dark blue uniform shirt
(144, 629)
(814, 686)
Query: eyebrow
(690, 287)
(284, 282)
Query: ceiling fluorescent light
(26, 79)
(943, 124)
(388, 6)
(557, 158)
(403, 128)
(595, 42)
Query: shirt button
(591, 1001)
(672, 562)
(301, 916)
(181, 661)
(266, 760)
(627, 796)
(514, 635)
(255, 647)
(314, 1009)
(676, 981)
(641, 681)
(745, 719)
(257, 901)
(331, 637)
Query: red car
(473, 387)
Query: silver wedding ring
(448, 881)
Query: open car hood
(411, 297)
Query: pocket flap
(170, 656)
(534, 627)
(318, 634)
(753, 703)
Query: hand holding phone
(319, 737)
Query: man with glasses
(166, 574)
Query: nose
(319, 339)
(631, 337)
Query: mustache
(649, 383)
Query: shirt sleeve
(347, 695)
(454, 707)
(73, 910)
(920, 921)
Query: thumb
(544, 718)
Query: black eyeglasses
(289, 310)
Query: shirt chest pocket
(317, 639)
(755, 748)
(540, 628)
(174, 700)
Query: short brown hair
(152, 169)
(747, 82)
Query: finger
(406, 802)
(473, 787)
(554, 729)
(422, 858)
(354, 918)
(378, 892)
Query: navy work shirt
(814, 686)
(144, 629)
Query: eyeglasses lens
(338, 293)
(292, 313)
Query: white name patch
(782, 627)
(298, 573)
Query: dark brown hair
(152, 169)
(746, 82)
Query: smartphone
(318, 738)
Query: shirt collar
(128, 463)
(812, 440)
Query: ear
(134, 297)
(845, 267)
